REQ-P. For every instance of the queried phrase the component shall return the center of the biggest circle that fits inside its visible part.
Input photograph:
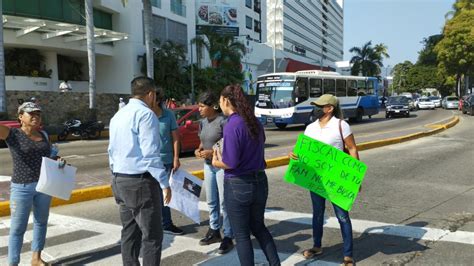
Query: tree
(225, 54)
(455, 51)
(223, 50)
(400, 73)
(147, 20)
(90, 52)
(367, 59)
(427, 56)
(3, 89)
(170, 68)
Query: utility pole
(192, 75)
(274, 36)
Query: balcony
(178, 8)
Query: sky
(399, 24)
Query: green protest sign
(327, 171)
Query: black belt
(144, 175)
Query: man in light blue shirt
(139, 175)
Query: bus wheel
(281, 125)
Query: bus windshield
(275, 95)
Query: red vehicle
(188, 118)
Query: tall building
(311, 29)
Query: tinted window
(370, 87)
(315, 89)
(352, 88)
(329, 86)
(340, 87)
(361, 87)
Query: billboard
(219, 16)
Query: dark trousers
(246, 197)
(140, 212)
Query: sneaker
(212, 236)
(173, 230)
(226, 245)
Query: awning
(288, 65)
(53, 29)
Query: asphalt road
(415, 208)
(91, 156)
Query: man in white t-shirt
(64, 86)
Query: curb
(105, 191)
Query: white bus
(284, 98)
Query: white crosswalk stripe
(101, 235)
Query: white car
(436, 100)
(450, 102)
(425, 103)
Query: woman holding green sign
(330, 128)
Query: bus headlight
(258, 115)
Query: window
(257, 6)
(352, 88)
(361, 88)
(315, 89)
(256, 26)
(370, 87)
(248, 3)
(340, 87)
(248, 22)
(329, 86)
(156, 3)
(301, 90)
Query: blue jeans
(246, 197)
(23, 198)
(165, 210)
(342, 217)
(214, 184)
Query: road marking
(371, 227)
(5, 178)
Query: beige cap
(29, 107)
(326, 99)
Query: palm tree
(367, 59)
(458, 6)
(147, 20)
(223, 50)
(90, 51)
(3, 90)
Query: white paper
(55, 181)
(185, 192)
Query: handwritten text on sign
(327, 171)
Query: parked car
(461, 101)
(397, 106)
(8, 123)
(468, 105)
(188, 126)
(425, 103)
(436, 100)
(450, 102)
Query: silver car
(450, 102)
(425, 103)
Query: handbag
(344, 148)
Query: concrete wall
(59, 107)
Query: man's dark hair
(142, 85)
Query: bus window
(315, 89)
(340, 87)
(361, 88)
(370, 87)
(352, 88)
(301, 90)
(329, 86)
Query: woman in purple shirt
(245, 181)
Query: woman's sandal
(312, 252)
(348, 262)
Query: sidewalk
(96, 185)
